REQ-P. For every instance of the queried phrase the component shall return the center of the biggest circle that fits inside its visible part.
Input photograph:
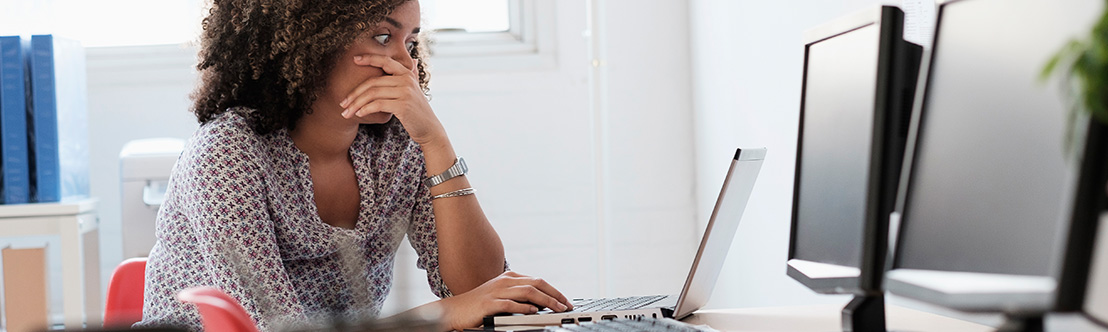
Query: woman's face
(393, 37)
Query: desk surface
(813, 318)
(823, 318)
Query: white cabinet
(76, 225)
(145, 166)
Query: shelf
(47, 209)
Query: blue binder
(59, 123)
(14, 166)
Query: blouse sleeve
(225, 204)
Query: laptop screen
(729, 208)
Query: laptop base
(660, 309)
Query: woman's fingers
(379, 105)
(406, 100)
(376, 82)
(535, 290)
(514, 307)
(541, 285)
(546, 288)
(398, 75)
(370, 95)
(528, 293)
(509, 292)
(389, 65)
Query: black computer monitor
(859, 79)
(1083, 283)
(986, 200)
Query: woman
(317, 152)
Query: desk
(813, 318)
(823, 318)
(76, 224)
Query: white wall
(585, 171)
(645, 92)
(747, 59)
(133, 93)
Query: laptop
(702, 277)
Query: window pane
(148, 22)
(466, 15)
(105, 22)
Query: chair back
(218, 311)
(123, 307)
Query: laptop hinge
(668, 312)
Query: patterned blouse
(239, 215)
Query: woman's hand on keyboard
(509, 292)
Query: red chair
(218, 311)
(124, 301)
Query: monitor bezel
(1090, 201)
(891, 50)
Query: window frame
(527, 44)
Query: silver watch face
(462, 166)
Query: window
(481, 35)
(473, 16)
(107, 23)
(466, 35)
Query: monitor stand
(1013, 323)
(865, 313)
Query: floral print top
(240, 215)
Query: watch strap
(458, 169)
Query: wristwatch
(458, 169)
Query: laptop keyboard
(645, 324)
(618, 303)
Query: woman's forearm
(470, 251)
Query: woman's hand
(509, 292)
(397, 93)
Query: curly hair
(273, 56)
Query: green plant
(1083, 67)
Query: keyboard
(644, 324)
(617, 303)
